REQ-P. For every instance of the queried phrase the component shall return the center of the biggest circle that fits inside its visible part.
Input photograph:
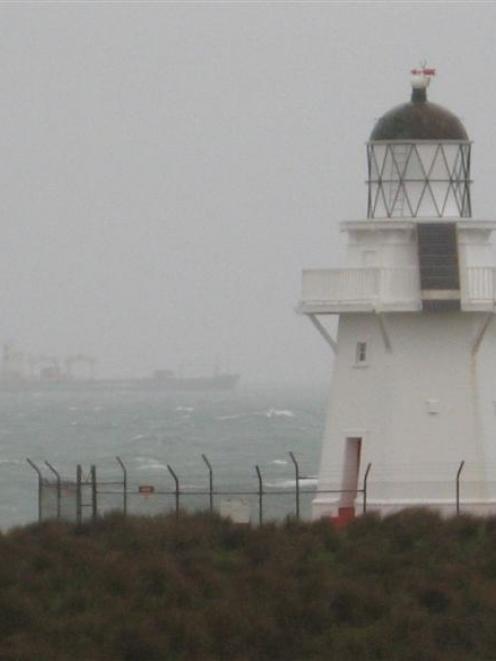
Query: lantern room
(419, 160)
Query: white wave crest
(279, 413)
(150, 464)
(234, 416)
(270, 413)
(290, 484)
(11, 462)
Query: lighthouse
(413, 391)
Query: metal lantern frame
(389, 177)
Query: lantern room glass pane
(451, 154)
(399, 156)
(374, 167)
(378, 208)
(389, 170)
(452, 206)
(427, 154)
(377, 157)
(415, 170)
(465, 149)
(416, 194)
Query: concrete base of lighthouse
(414, 396)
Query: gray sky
(168, 169)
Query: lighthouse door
(351, 471)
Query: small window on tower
(361, 353)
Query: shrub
(411, 586)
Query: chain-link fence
(90, 495)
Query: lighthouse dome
(419, 119)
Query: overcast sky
(168, 169)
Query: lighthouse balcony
(360, 290)
(333, 291)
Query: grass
(409, 587)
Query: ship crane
(49, 367)
(80, 358)
(12, 362)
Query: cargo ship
(167, 380)
(25, 373)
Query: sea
(151, 431)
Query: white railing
(399, 285)
(479, 285)
(360, 286)
(340, 285)
(390, 288)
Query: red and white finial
(422, 77)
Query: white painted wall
(392, 247)
(394, 243)
(392, 402)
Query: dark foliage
(408, 587)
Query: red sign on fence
(146, 489)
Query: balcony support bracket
(324, 332)
(482, 331)
(385, 335)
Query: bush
(411, 586)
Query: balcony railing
(479, 286)
(365, 289)
(340, 285)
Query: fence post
(94, 504)
(59, 488)
(210, 481)
(124, 485)
(260, 496)
(40, 479)
(365, 486)
(171, 471)
(458, 473)
(297, 482)
(79, 499)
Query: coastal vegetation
(410, 586)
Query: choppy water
(149, 430)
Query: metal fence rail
(86, 496)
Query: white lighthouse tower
(414, 379)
